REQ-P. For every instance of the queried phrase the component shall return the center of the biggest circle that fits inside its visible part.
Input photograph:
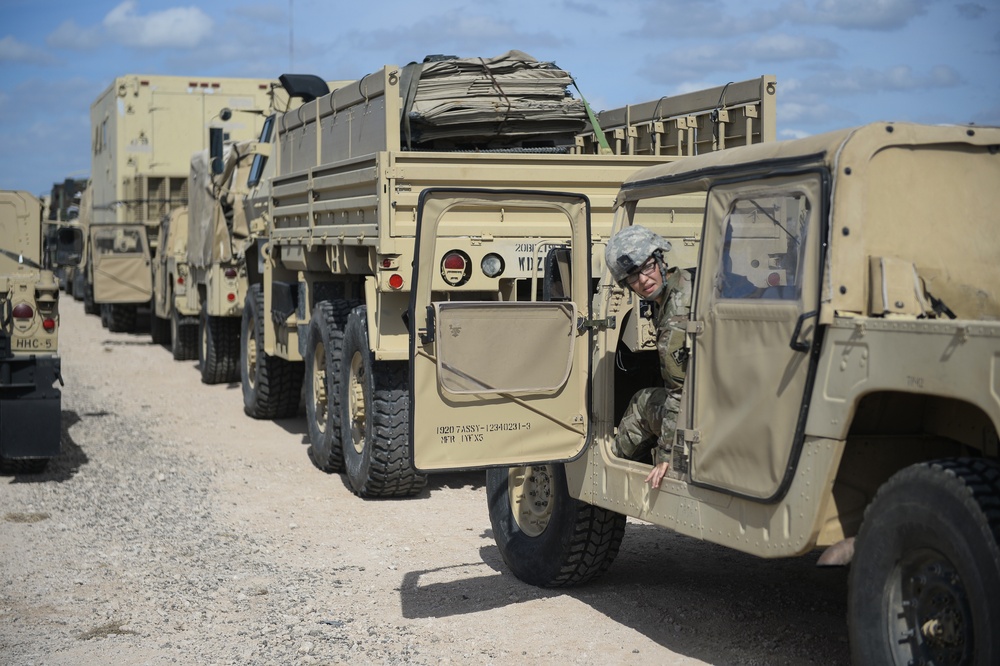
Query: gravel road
(175, 530)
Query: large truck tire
(546, 537)
(924, 585)
(121, 317)
(183, 339)
(324, 349)
(218, 348)
(272, 386)
(375, 418)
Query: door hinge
(597, 324)
(689, 436)
(694, 327)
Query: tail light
(23, 311)
(49, 324)
(455, 268)
(230, 273)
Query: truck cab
(841, 386)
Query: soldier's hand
(657, 474)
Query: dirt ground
(173, 529)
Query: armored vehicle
(841, 389)
(29, 335)
(349, 170)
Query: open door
(754, 330)
(501, 379)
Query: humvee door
(754, 328)
(496, 380)
(121, 263)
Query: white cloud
(681, 19)
(864, 80)
(12, 50)
(782, 47)
(178, 27)
(69, 35)
(880, 15)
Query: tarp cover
(208, 236)
(513, 95)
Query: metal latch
(689, 436)
(597, 324)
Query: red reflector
(49, 324)
(395, 280)
(387, 263)
(230, 273)
(180, 279)
(23, 311)
(454, 262)
(231, 297)
(773, 280)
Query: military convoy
(841, 391)
(145, 129)
(30, 403)
(417, 257)
(331, 312)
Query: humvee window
(763, 245)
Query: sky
(838, 63)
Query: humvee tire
(16, 466)
(546, 537)
(183, 339)
(218, 348)
(375, 416)
(89, 306)
(323, 354)
(271, 385)
(159, 329)
(924, 584)
(121, 317)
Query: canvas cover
(209, 237)
(512, 94)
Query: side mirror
(215, 149)
(69, 246)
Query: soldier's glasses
(648, 269)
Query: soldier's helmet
(629, 249)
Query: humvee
(842, 392)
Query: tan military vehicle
(841, 391)
(350, 169)
(144, 130)
(171, 320)
(29, 335)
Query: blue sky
(838, 62)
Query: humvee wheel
(924, 585)
(105, 312)
(323, 359)
(183, 339)
(159, 328)
(375, 406)
(218, 347)
(271, 385)
(546, 537)
(121, 318)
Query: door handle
(795, 344)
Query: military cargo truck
(29, 335)
(350, 168)
(145, 129)
(841, 387)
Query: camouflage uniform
(652, 412)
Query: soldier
(635, 256)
